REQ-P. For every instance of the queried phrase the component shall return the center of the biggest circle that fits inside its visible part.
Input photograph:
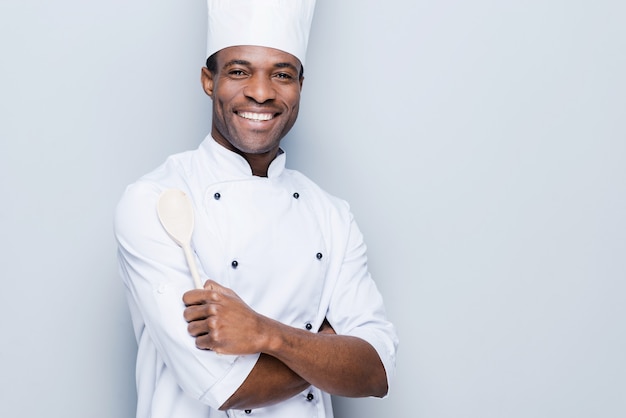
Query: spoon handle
(192, 266)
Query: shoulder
(176, 169)
(136, 209)
(174, 172)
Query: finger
(326, 326)
(203, 296)
(201, 312)
(204, 342)
(210, 285)
(198, 329)
(196, 313)
(216, 287)
(194, 297)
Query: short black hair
(211, 65)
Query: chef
(288, 313)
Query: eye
(236, 73)
(283, 75)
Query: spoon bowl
(175, 212)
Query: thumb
(215, 286)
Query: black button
(217, 196)
(308, 326)
(248, 411)
(310, 397)
(319, 256)
(296, 195)
(234, 264)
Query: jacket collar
(228, 165)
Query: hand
(326, 328)
(222, 322)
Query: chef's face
(256, 97)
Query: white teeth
(256, 116)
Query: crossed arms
(291, 359)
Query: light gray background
(481, 144)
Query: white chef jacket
(291, 251)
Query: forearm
(337, 364)
(270, 382)
(340, 365)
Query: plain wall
(482, 146)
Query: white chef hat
(279, 24)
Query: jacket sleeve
(156, 276)
(356, 306)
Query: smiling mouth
(256, 116)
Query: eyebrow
(249, 64)
(286, 65)
(236, 62)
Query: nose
(260, 89)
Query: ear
(206, 77)
(301, 83)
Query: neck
(259, 163)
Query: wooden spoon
(176, 215)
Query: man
(289, 313)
